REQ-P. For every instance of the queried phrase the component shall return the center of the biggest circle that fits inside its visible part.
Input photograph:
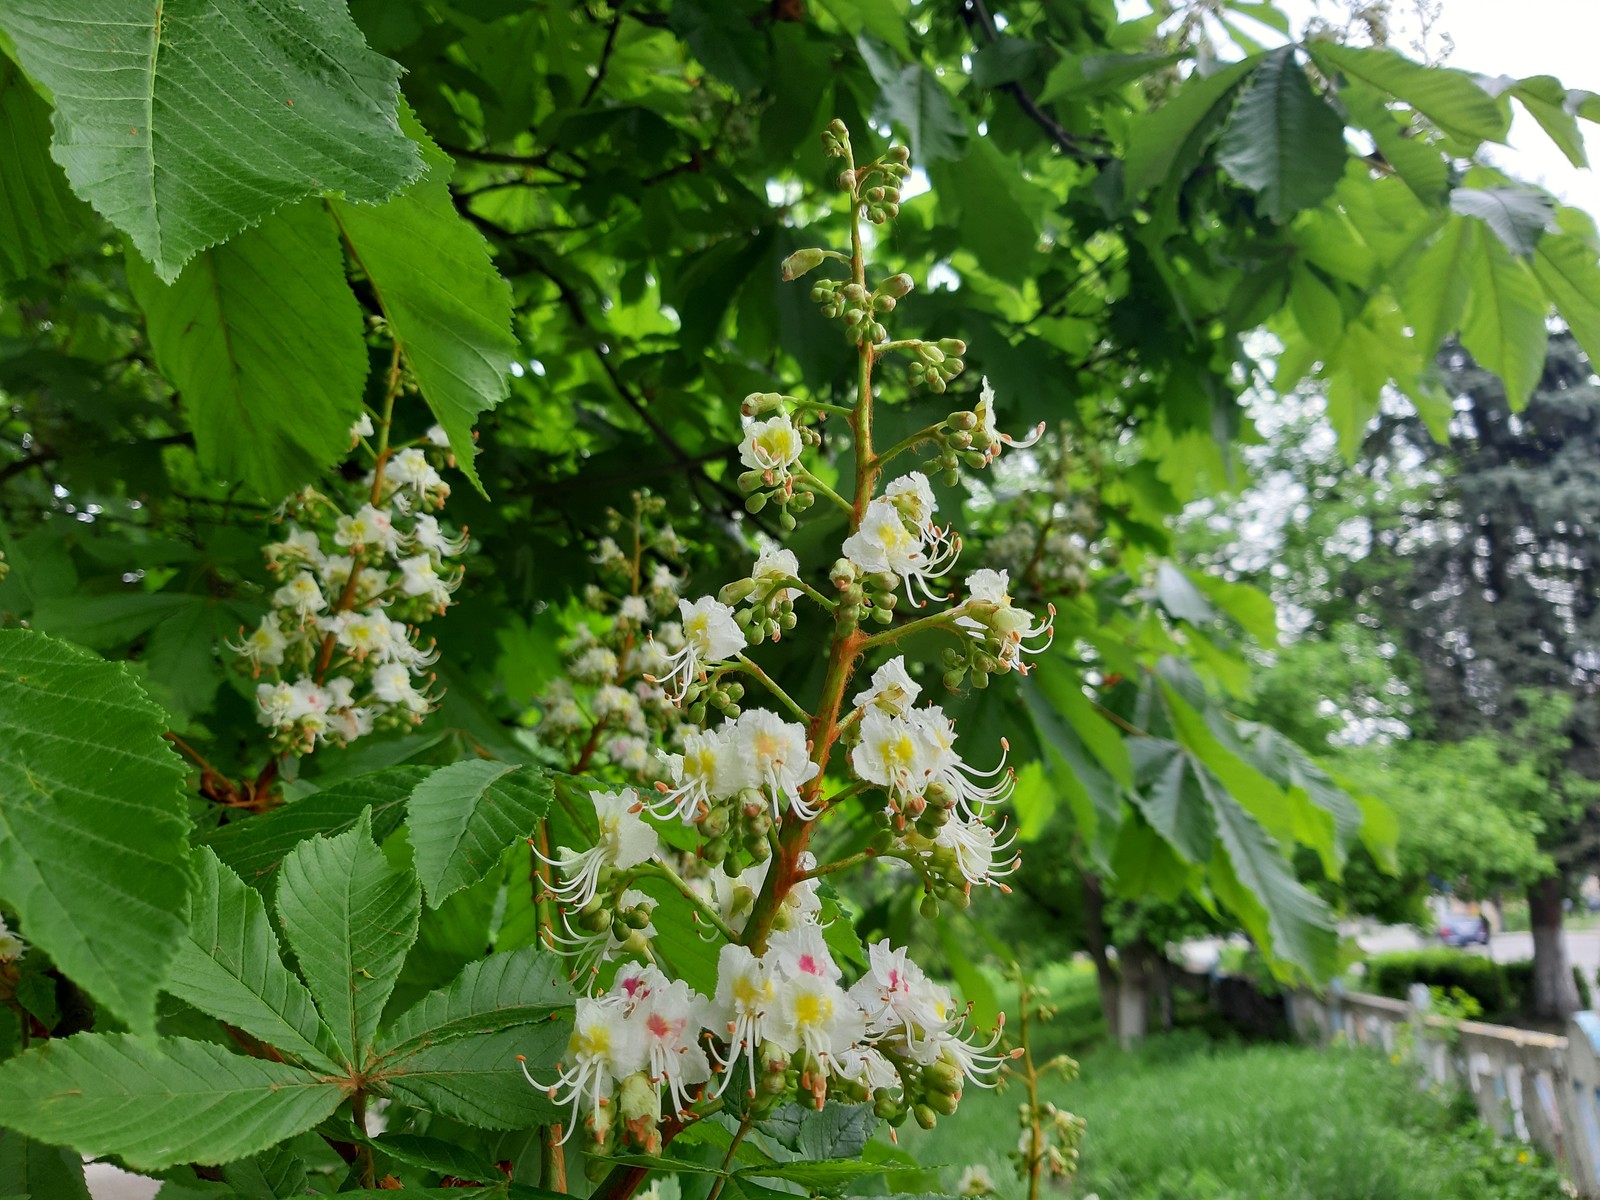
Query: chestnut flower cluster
(338, 654)
(751, 770)
(606, 709)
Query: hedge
(1501, 989)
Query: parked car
(1463, 929)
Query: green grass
(1186, 1118)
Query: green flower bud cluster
(930, 1092)
(737, 832)
(1056, 1145)
(908, 835)
(937, 363)
(624, 922)
(716, 692)
(768, 617)
(865, 597)
(970, 659)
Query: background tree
(562, 245)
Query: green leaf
(1097, 74)
(256, 846)
(912, 97)
(476, 1079)
(43, 1172)
(350, 918)
(1438, 284)
(835, 1131)
(1447, 97)
(1284, 141)
(265, 343)
(497, 992)
(974, 987)
(1247, 604)
(462, 817)
(1182, 600)
(40, 218)
(1169, 795)
(1547, 102)
(827, 1175)
(93, 821)
(230, 966)
(274, 1174)
(1287, 765)
(1095, 797)
(1518, 216)
(1006, 60)
(457, 340)
(186, 122)
(999, 210)
(1181, 125)
(1418, 161)
(156, 1103)
(1566, 267)
(889, 21)
(1504, 328)
(1257, 883)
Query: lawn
(1189, 1118)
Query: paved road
(1583, 945)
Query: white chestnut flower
(771, 446)
(392, 684)
(419, 576)
(301, 595)
(594, 665)
(892, 690)
(886, 544)
(428, 535)
(710, 636)
(773, 753)
(12, 947)
(989, 439)
(976, 847)
(772, 568)
(912, 495)
(410, 468)
(368, 527)
(623, 840)
(708, 769)
(264, 646)
(988, 613)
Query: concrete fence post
(1579, 1103)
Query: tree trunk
(1555, 996)
(1094, 920)
(1161, 978)
(1133, 996)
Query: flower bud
(800, 262)
(640, 1106)
(897, 285)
